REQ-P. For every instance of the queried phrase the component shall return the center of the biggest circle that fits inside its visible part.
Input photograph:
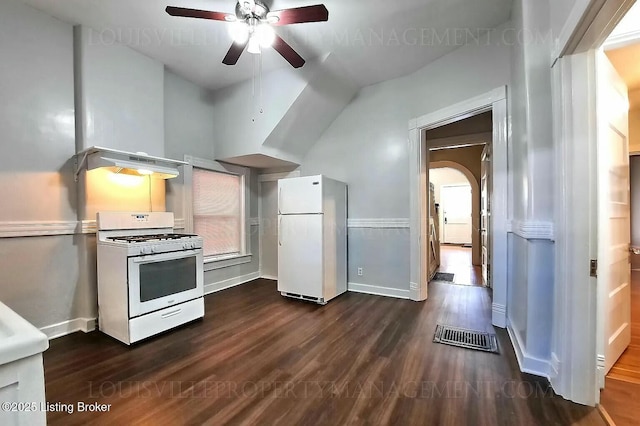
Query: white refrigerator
(312, 238)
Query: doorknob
(634, 250)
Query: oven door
(162, 280)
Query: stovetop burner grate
(146, 238)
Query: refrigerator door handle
(279, 199)
(280, 232)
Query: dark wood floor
(620, 396)
(456, 260)
(258, 358)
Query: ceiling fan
(252, 27)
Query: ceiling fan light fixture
(265, 34)
(254, 45)
(239, 32)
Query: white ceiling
(374, 40)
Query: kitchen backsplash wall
(109, 191)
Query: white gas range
(150, 279)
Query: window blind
(217, 211)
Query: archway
(476, 256)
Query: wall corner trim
(67, 327)
(528, 364)
(388, 223)
(533, 230)
(231, 282)
(499, 315)
(37, 228)
(379, 291)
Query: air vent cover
(464, 338)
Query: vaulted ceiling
(372, 40)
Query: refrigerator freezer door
(300, 262)
(300, 195)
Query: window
(217, 211)
(216, 206)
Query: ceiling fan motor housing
(244, 10)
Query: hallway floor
(457, 260)
(622, 387)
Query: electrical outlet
(359, 272)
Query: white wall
(241, 129)
(366, 147)
(530, 304)
(297, 106)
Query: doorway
(456, 202)
(619, 309)
(594, 304)
(495, 102)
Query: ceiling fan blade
(298, 15)
(202, 14)
(234, 53)
(287, 52)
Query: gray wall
(120, 96)
(190, 129)
(39, 276)
(366, 147)
(51, 279)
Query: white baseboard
(499, 315)
(379, 291)
(528, 364)
(67, 327)
(269, 277)
(231, 282)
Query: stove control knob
(143, 250)
(152, 249)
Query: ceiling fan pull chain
(253, 90)
(260, 83)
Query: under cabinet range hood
(130, 163)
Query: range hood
(130, 163)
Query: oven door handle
(165, 256)
(171, 313)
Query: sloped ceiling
(373, 40)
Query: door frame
(268, 177)
(458, 185)
(574, 348)
(496, 101)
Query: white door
(456, 211)
(613, 282)
(269, 230)
(301, 195)
(485, 214)
(300, 265)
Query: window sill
(219, 262)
